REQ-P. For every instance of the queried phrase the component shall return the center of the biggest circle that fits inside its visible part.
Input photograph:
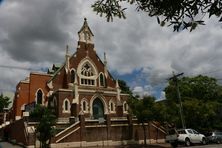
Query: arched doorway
(39, 97)
(98, 109)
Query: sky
(34, 34)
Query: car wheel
(204, 141)
(187, 142)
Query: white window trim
(103, 80)
(43, 96)
(114, 106)
(103, 101)
(87, 60)
(72, 69)
(127, 107)
(87, 105)
(63, 106)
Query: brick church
(86, 99)
(81, 85)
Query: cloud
(35, 30)
(146, 90)
(34, 33)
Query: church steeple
(85, 33)
(67, 56)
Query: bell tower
(85, 33)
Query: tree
(124, 87)
(201, 98)
(44, 129)
(145, 110)
(181, 14)
(4, 102)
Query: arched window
(87, 70)
(84, 105)
(98, 109)
(125, 107)
(39, 97)
(66, 106)
(111, 106)
(72, 76)
(87, 74)
(101, 80)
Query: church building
(90, 108)
(83, 84)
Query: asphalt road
(8, 145)
(205, 146)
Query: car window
(190, 131)
(195, 132)
(181, 132)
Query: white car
(185, 136)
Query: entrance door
(98, 109)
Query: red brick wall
(38, 81)
(61, 96)
(16, 130)
(61, 79)
(21, 98)
(117, 130)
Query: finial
(85, 22)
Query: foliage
(182, 14)
(201, 98)
(45, 129)
(4, 102)
(146, 110)
(124, 87)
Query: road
(205, 146)
(8, 145)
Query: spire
(67, 50)
(118, 90)
(105, 61)
(67, 56)
(117, 84)
(105, 66)
(85, 33)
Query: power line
(19, 68)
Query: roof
(85, 25)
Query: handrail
(67, 128)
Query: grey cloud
(36, 30)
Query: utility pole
(175, 80)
